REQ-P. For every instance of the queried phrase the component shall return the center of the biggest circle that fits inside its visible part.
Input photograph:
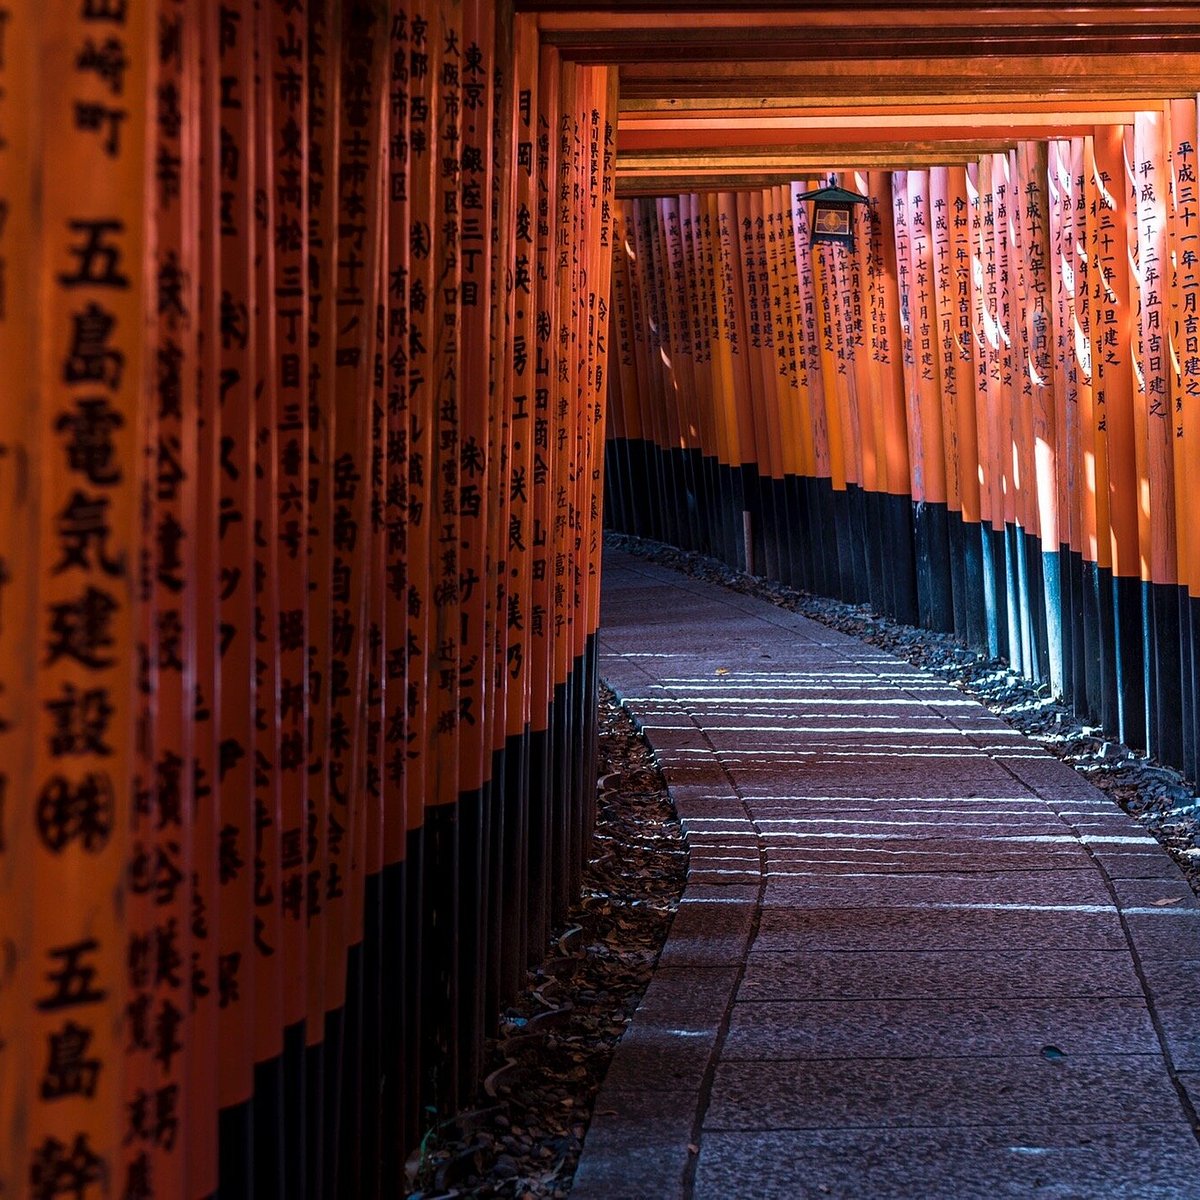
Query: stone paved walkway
(916, 957)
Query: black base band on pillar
(752, 483)
(860, 572)
(843, 544)
(768, 563)
(814, 492)
(1106, 650)
(235, 1136)
(1070, 622)
(901, 560)
(800, 544)
(934, 589)
(974, 585)
(474, 830)
(398, 1030)
(1191, 613)
(997, 544)
(295, 1092)
(877, 579)
(439, 963)
(269, 1177)
(955, 536)
(729, 502)
(1016, 599)
(1056, 664)
(1039, 652)
(1187, 683)
(1127, 623)
(829, 538)
(1172, 700)
(789, 520)
(737, 516)
(1092, 700)
(316, 1079)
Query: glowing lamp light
(832, 215)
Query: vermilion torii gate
(304, 321)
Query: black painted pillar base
(900, 559)
(1070, 623)
(860, 571)
(752, 484)
(1016, 600)
(1172, 699)
(1094, 675)
(956, 537)
(1129, 654)
(768, 565)
(1109, 705)
(1189, 624)
(876, 518)
(800, 535)
(235, 1137)
(935, 598)
(828, 536)
(843, 535)
(818, 540)
(974, 585)
(1039, 656)
(996, 548)
(1056, 662)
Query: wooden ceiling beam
(849, 35)
(719, 91)
(956, 79)
(807, 159)
(751, 108)
(864, 129)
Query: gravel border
(523, 1137)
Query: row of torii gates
(332, 333)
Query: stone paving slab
(926, 1028)
(971, 891)
(1094, 1162)
(938, 1093)
(916, 955)
(1046, 931)
(911, 974)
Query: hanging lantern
(832, 216)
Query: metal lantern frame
(833, 215)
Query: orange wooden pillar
(763, 518)
(20, 331)
(174, 826)
(1037, 294)
(1093, 479)
(1184, 244)
(1061, 185)
(1112, 331)
(887, 355)
(803, 367)
(869, 403)
(838, 564)
(925, 426)
(779, 249)
(91, 370)
(987, 386)
(740, 404)
(961, 215)
(1154, 435)
(1007, 411)
(952, 377)
(229, 381)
